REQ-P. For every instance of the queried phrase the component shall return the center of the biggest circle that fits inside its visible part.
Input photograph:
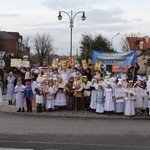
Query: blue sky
(107, 17)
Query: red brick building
(11, 42)
(142, 47)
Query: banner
(15, 62)
(117, 58)
(117, 68)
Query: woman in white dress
(60, 99)
(129, 100)
(94, 89)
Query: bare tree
(43, 46)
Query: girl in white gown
(100, 100)
(94, 88)
(129, 100)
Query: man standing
(11, 82)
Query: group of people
(69, 89)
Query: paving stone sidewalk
(70, 114)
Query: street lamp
(71, 20)
(111, 43)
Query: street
(28, 132)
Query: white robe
(93, 96)
(60, 99)
(138, 97)
(119, 96)
(1, 97)
(50, 102)
(129, 102)
(109, 102)
(10, 87)
(19, 94)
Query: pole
(71, 19)
(71, 26)
(70, 42)
(112, 39)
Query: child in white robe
(39, 98)
(94, 88)
(19, 95)
(129, 100)
(50, 91)
(109, 99)
(60, 99)
(100, 100)
(119, 96)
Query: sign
(97, 66)
(117, 68)
(2, 63)
(2, 53)
(25, 63)
(84, 64)
(15, 62)
(64, 64)
(72, 61)
(117, 58)
(55, 63)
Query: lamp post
(111, 43)
(71, 20)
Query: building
(11, 42)
(142, 47)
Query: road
(37, 133)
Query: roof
(134, 43)
(6, 36)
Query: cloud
(105, 16)
(8, 15)
(67, 4)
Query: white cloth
(119, 99)
(50, 104)
(129, 102)
(60, 99)
(93, 96)
(39, 99)
(86, 86)
(10, 87)
(138, 97)
(1, 97)
(34, 85)
(109, 102)
(19, 94)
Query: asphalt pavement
(38, 132)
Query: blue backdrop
(117, 58)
